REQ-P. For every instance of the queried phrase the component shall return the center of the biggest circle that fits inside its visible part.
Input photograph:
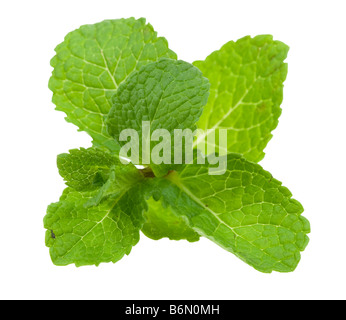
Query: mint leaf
(167, 94)
(90, 169)
(246, 211)
(121, 178)
(98, 218)
(86, 169)
(90, 65)
(246, 91)
(161, 222)
(115, 80)
(89, 235)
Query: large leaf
(246, 91)
(99, 219)
(246, 211)
(88, 235)
(92, 62)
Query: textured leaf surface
(245, 211)
(246, 91)
(90, 65)
(86, 235)
(85, 169)
(161, 222)
(169, 94)
(121, 178)
(100, 218)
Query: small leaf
(161, 222)
(86, 169)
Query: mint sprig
(118, 74)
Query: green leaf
(167, 94)
(86, 169)
(121, 178)
(118, 75)
(246, 211)
(246, 91)
(88, 235)
(161, 222)
(90, 65)
(99, 219)
(90, 169)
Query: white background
(307, 151)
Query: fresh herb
(118, 75)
